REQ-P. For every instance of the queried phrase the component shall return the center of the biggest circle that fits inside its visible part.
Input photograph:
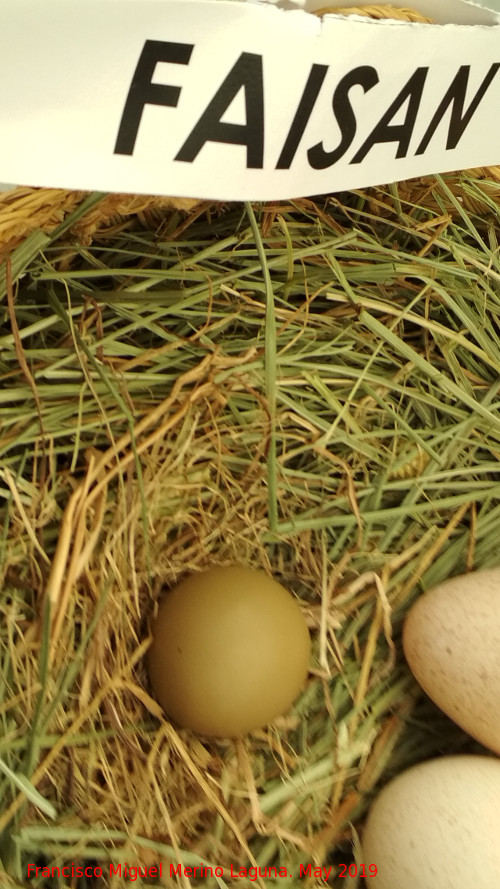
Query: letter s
(365, 76)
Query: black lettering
(143, 92)
(401, 133)
(246, 74)
(455, 96)
(314, 83)
(364, 76)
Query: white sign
(236, 101)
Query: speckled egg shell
(436, 826)
(451, 639)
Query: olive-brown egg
(230, 651)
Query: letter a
(245, 74)
(401, 133)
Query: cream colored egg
(230, 651)
(451, 640)
(436, 826)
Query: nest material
(25, 210)
(402, 14)
(141, 449)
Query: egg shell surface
(436, 826)
(451, 640)
(230, 651)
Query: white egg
(451, 640)
(437, 826)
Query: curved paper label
(235, 101)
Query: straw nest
(310, 388)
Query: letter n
(455, 96)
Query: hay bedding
(140, 401)
(313, 391)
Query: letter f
(143, 92)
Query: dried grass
(311, 388)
